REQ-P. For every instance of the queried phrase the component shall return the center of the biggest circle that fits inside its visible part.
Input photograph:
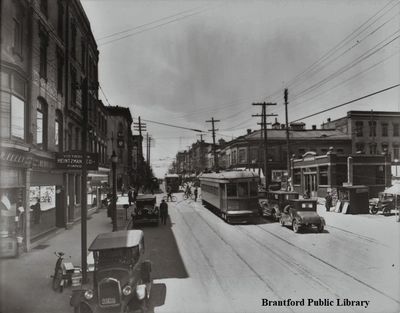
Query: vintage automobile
(384, 203)
(272, 203)
(302, 213)
(145, 210)
(121, 278)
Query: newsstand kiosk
(354, 199)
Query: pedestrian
(36, 212)
(163, 211)
(135, 193)
(328, 202)
(196, 192)
(169, 195)
(130, 196)
(122, 189)
(20, 218)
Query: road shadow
(163, 252)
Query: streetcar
(232, 195)
(172, 181)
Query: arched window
(58, 132)
(41, 124)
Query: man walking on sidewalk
(328, 202)
(163, 211)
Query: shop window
(297, 176)
(323, 175)
(395, 129)
(231, 190)
(359, 128)
(243, 189)
(384, 129)
(41, 124)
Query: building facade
(47, 50)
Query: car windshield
(126, 256)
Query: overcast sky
(183, 62)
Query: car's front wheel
(296, 226)
(373, 209)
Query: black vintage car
(272, 203)
(302, 213)
(121, 279)
(384, 203)
(145, 210)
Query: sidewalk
(384, 229)
(25, 282)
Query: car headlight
(88, 294)
(141, 291)
(127, 290)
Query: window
(73, 40)
(44, 7)
(243, 189)
(60, 72)
(43, 54)
(359, 128)
(384, 129)
(372, 148)
(17, 118)
(17, 47)
(297, 176)
(396, 152)
(385, 147)
(60, 20)
(58, 131)
(360, 146)
(77, 138)
(69, 134)
(323, 175)
(395, 129)
(372, 128)
(253, 189)
(41, 125)
(231, 190)
(234, 153)
(83, 53)
(73, 86)
(253, 155)
(242, 156)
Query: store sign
(73, 161)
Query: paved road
(202, 264)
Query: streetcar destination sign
(73, 161)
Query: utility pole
(264, 127)
(140, 127)
(85, 90)
(212, 121)
(287, 133)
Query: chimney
(314, 127)
(248, 131)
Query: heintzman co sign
(73, 161)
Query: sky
(184, 62)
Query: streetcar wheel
(295, 226)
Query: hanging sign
(73, 161)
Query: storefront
(320, 174)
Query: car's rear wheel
(296, 226)
(386, 211)
(320, 228)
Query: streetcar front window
(243, 189)
(231, 190)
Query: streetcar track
(331, 265)
(205, 256)
(264, 281)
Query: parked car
(384, 203)
(302, 213)
(145, 210)
(273, 202)
(121, 278)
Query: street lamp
(114, 160)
